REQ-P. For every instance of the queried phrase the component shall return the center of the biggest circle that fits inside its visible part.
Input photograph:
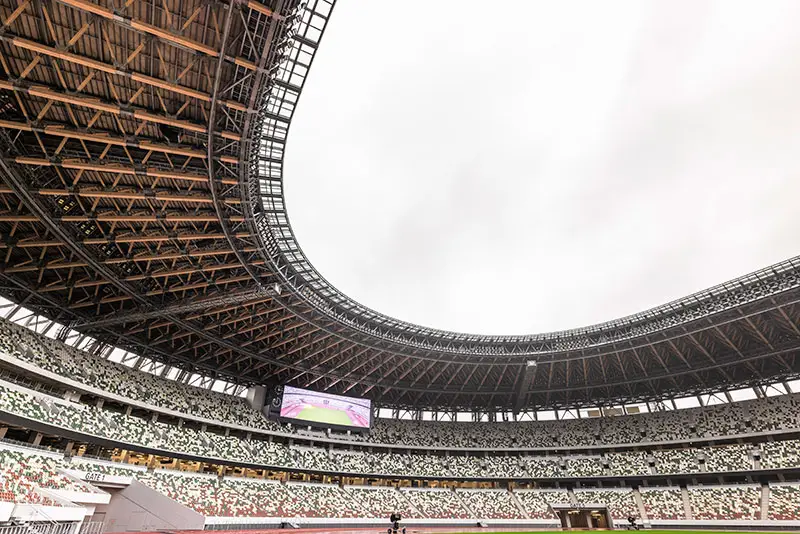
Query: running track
(372, 530)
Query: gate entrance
(584, 517)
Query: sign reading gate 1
(324, 409)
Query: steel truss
(142, 203)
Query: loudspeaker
(256, 397)
(272, 406)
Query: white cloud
(552, 165)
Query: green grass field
(324, 415)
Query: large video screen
(324, 408)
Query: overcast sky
(529, 166)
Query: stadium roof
(143, 204)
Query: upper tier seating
(627, 463)
(663, 503)
(780, 454)
(674, 461)
(620, 502)
(118, 379)
(728, 458)
(761, 415)
(539, 467)
(171, 438)
(725, 502)
(490, 504)
(586, 466)
(774, 413)
(721, 420)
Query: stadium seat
(725, 502)
(663, 503)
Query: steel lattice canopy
(142, 203)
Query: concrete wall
(6, 508)
(140, 508)
(36, 512)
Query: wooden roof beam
(6, 241)
(150, 29)
(174, 289)
(243, 317)
(109, 139)
(115, 217)
(261, 8)
(50, 93)
(123, 194)
(55, 265)
(115, 168)
(228, 308)
(139, 277)
(43, 49)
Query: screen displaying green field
(324, 415)
(324, 408)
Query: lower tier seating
(490, 504)
(437, 503)
(537, 502)
(784, 502)
(205, 494)
(725, 502)
(620, 502)
(381, 501)
(663, 503)
(321, 500)
(780, 454)
(26, 478)
(270, 497)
